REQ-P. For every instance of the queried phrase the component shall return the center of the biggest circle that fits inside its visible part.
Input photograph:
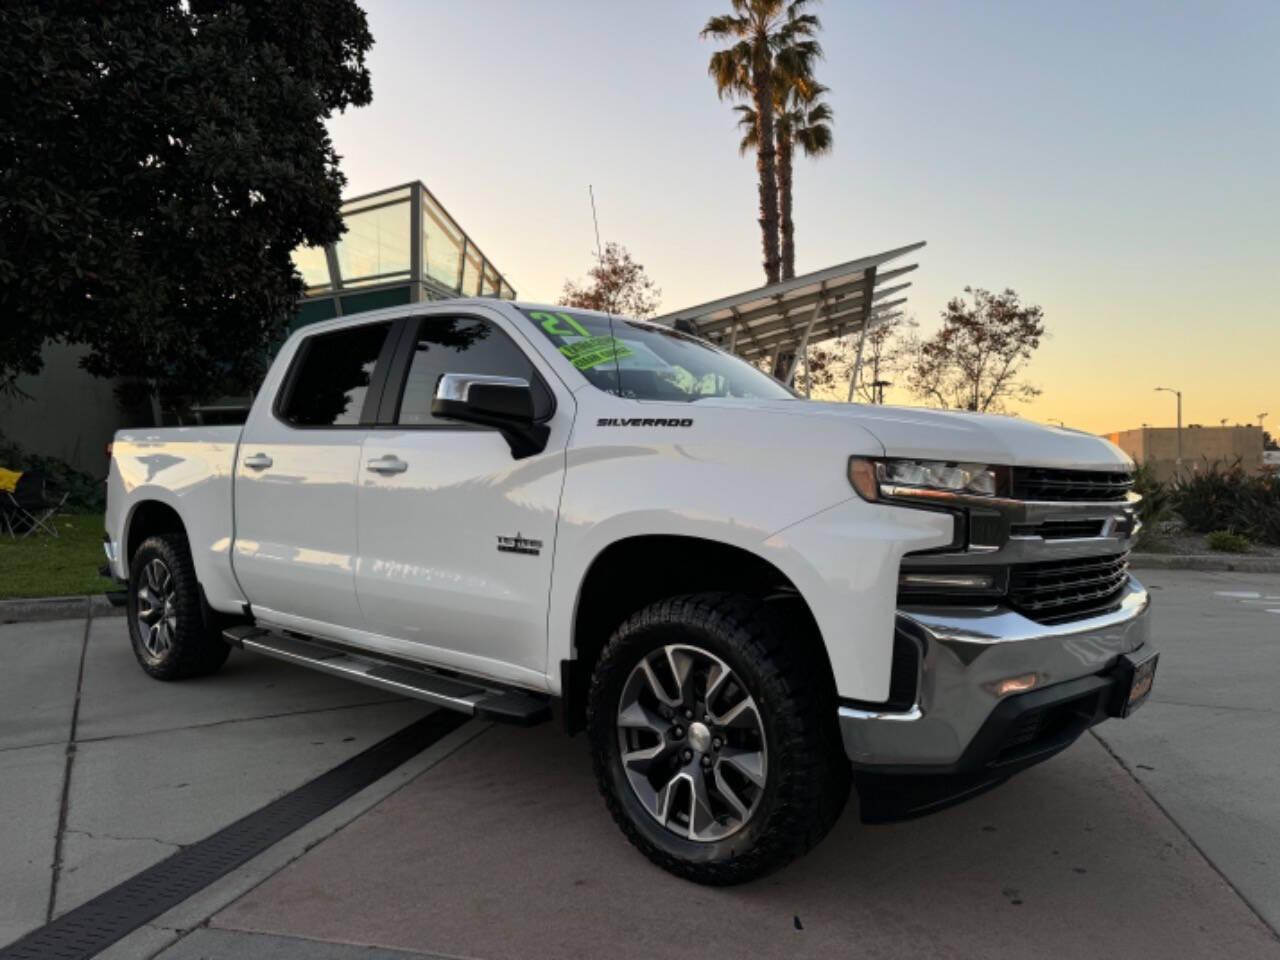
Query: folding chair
(28, 508)
(8, 483)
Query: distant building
(1201, 446)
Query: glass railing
(377, 249)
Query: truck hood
(955, 435)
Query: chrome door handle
(388, 464)
(259, 461)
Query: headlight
(874, 479)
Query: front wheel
(712, 738)
(171, 635)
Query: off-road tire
(808, 776)
(195, 647)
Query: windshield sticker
(595, 351)
(555, 323)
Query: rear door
(295, 480)
(457, 537)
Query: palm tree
(801, 119)
(758, 31)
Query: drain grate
(106, 918)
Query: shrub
(1226, 541)
(1156, 503)
(1218, 499)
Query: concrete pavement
(104, 771)
(1159, 836)
(1207, 746)
(505, 851)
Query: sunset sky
(1117, 163)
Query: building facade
(401, 246)
(1201, 447)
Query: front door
(295, 481)
(456, 535)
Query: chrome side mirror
(504, 403)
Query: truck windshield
(655, 363)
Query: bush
(1225, 541)
(1218, 499)
(1156, 503)
(87, 495)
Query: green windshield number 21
(551, 322)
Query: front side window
(462, 345)
(331, 376)
(653, 362)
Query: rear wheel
(171, 634)
(712, 738)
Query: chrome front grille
(1047, 485)
(1058, 590)
(1058, 529)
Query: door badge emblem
(519, 544)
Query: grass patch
(42, 566)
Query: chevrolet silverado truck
(750, 602)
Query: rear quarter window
(329, 381)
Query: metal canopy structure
(782, 319)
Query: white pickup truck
(749, 601)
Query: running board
(454, 693)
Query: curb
(1226, 562)
(26, 609)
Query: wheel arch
(634, 571)
(147, 519)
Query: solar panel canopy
(781, 318)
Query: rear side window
(463, 345)
(331, 376)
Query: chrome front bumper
(966, 654)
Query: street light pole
(1179, 395)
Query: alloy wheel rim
(692, 743)
(157, 616)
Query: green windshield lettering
(551, 323)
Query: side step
(455, 693)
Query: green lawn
(42, 566)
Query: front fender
(843, 561)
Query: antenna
(608, 303)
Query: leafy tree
(802, 120)
(159, 161)
(760, 33)
(975, 360)
(617, 283)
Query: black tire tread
(815, 777)
(198, 649)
